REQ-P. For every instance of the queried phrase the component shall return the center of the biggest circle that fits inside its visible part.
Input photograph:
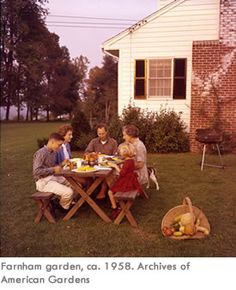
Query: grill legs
(204, 155)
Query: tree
(102, 90)
(18, 19)
(81, 66)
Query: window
(159, 82)
(140, 79)
(179, 88)
(166, 78)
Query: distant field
(86, 235)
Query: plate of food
(75, 159)
(102, 167)
(85, 169)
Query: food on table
(93, 156)
(70, 165)
(86, 168)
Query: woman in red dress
(128, 178)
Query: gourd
(202, 229)
(187, 219)
(187, 224)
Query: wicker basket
(181, 209)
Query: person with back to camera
(128, 178)
(44, 168)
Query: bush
(168, 133)
(138, 117)
(83, 141)
(161, 132)
(80, 127)
(42, 142)
(115, 129)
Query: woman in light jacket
(64, 152)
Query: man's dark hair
(56, 136)
(131, 130)
(102, 125)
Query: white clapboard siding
(161, 3)
(169, 35)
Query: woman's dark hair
(56, 136)
(131, 130)
(64, 129)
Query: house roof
(141, 23)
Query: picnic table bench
(43, 200)
(126, 201)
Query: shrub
(136, 116)
(83, 141)
(161, 132)
(80, 127)
(42, 142)
(115, 129)
(168, 133)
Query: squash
(189, 230)
(187, 219)
(177, 218)
(177, 234)
(202, 229)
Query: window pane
(180, 65)
(167, 73)
(152, 92)
(140, 88)
(179, 89)
(140, 68)
(167, 91)
(160, 78)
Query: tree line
(39, 75)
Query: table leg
(85, 196)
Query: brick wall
(213, 100)
(228, 22)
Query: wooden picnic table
(98, 177)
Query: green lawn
(212, 190)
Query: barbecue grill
(210, 137)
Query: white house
(155, 55)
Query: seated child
(128, 178)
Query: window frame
(141, 97)
(146, 79)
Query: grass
(86, 235)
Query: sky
(88, 41)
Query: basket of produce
(185, 222)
